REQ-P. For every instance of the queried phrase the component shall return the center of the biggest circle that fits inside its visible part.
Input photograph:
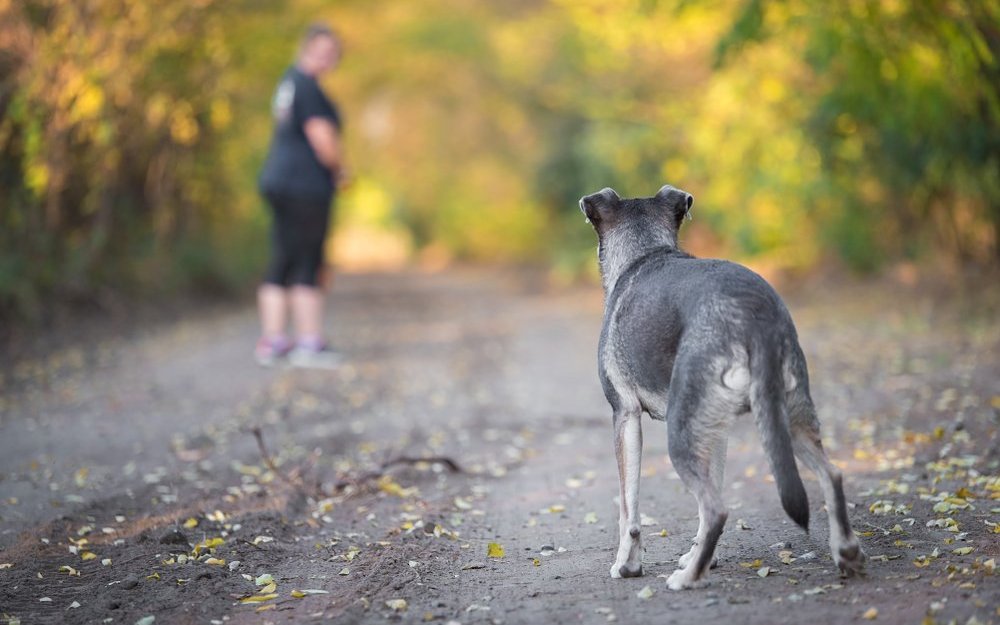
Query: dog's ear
(598, 207)
(678, 203)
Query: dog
(696, 343)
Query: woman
(299, 178)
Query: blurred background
(858, 136)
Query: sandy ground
(132, 486)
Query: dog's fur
(698, 342)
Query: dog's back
(726, 326)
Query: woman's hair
(318, 29)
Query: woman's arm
(324, 139)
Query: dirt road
(133, 488)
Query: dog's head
(628, 228)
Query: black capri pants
(298, 232)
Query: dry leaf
(645, 593)
(396, 605)
(191, 523)
(268, 589)
(494, 550)
(870, 614)
(259, 598)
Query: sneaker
(270, 351)
(320, 356)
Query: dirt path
(141, 453)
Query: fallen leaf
(298, 594)
(590, 517)
(786, 557)
(344, 571)
(259, 598)
(6, 565)
(645, 593)
(88, 555)
(396, 605)
(153, 576)
(494, 550)
(70, 570)
(191, 523)
(264, 579)
(262, 539)
(473, 565)
(268, 589)
(963, 551)
(756, 564)
(536, 562)
(216, 561)
(763, 571)
(106, 562)
(870, 614)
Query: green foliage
(131, 132)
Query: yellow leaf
(536, 562)
(216, 561)
(756, 564)
(494, 550)
(870, 614)
(259, 598)
(298, 594)
(557, 508)
(266, 590)
(191, 523)
(396, 605)
(88, 555)
(68, 569)
(153, 576)
(962, 551)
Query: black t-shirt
(291, 168)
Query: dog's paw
(618, 571)
(685, 560)
(850, 560)
(682, 579)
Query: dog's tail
(767, 401)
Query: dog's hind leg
(698, 423)
(808, 447)
(628, 451)
(717, 470)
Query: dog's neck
(620, 247)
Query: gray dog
(697, 342)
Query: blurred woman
(299, 179)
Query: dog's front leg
(628, 451)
